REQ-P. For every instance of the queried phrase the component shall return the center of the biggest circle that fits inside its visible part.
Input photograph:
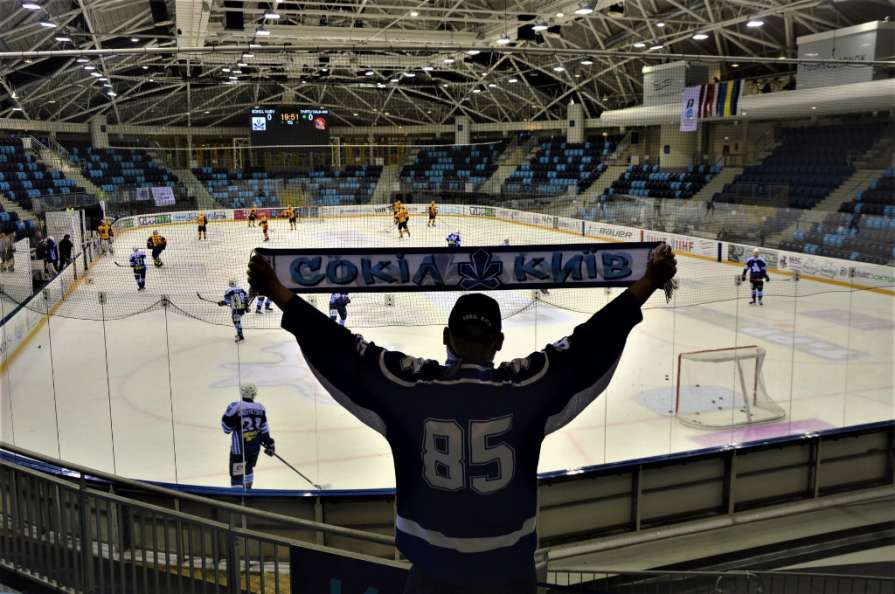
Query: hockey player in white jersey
(238, 301)
(246, 422)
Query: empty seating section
(559, 165)
(863, 229)
(114, 170)
(451, 168)
(239, 189)
(809, 164)
(23, 178)
(648, 181)
(351, 185)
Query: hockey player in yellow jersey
(105, 236)
(433, 212)
(202, 223)
(402, 216)
(265, 227)
(290, 214)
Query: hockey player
(758, 274)
(245, 421)
(202, 222)
(260, 301)
(402, 218)
(338, 307)
(453, 240)
(253, 216)
(290, 214)
(138, 265)
(157, 244)
(105, 236)
(433, 212)
(466, 437)
(265, 228)
(238, 301)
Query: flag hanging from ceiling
(720, 100)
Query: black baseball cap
(475, 317)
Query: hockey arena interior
(744, 443)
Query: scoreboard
(285, 125)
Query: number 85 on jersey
(474, 458)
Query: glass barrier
(137, 382)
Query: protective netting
(193, 267)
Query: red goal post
(722, 388)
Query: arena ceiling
(378, 62)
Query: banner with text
(459, 269)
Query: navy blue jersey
(138, 261)
(246, 422)
(757, 269)
(453, 240)
(465, 438)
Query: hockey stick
(298, 472)
(120, 265)
(207, 300)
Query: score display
(285, 125)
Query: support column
(677, 149)
(99, 132)
(575, 123)
(461, 130)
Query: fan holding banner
(466, 435)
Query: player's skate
(239, 338)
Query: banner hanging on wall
(690, 109)
(459, 269)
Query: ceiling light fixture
(640, 45)
(734, 65)
(584, 10)
(428, 68)
(409, 74)
(700, 37)
(242, 65)
(513, 80)
(504, 40)
(355, 115)
(112, 94)
(31, 6)
(658, 46)
(476, 91)
(16, 109)
(273, 16)
(538, 27)
(587, 62)
(473, 52)
(369, 73)
(414, 13)
(107, 85)
(558, 69)
(449, 60)
(248, 56)
(755, 23)
(63, 39)
(560, 15)
(233, 78)
(394, 80)
(145, 67)
(103, 79)
(135, 39)
(89, 67)
(96, 74)
(660, 25)
(225, 70)
(380, 86)
(85, 60)
(48, 24)
(262, 32)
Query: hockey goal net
(721, 388)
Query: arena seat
(863, 229)
(115, 170)
(239, 189)
(351, 185)
(649, 181)
(23, 178)
(451, 168)
(810, 163)
(559, 165)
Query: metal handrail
(221, 505)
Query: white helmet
(755, 252)
(232, 282)
(248, 391)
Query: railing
(588, 581)
(67, 533)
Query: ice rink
(118, 382)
